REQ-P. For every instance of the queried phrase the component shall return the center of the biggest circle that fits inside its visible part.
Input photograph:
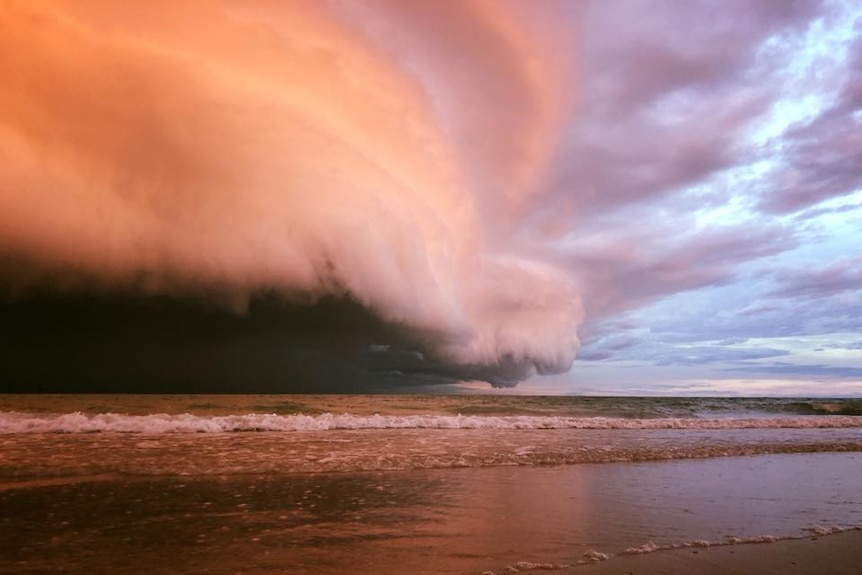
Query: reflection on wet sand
(418, 521)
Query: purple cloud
(627, 273)
(662, 106)
(842, 276)
(823, 157)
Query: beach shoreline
(447, 521)
(832, 554)
(316, 485)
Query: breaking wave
(12, 422)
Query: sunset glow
(671, 191)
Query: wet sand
(838, 554)
(441, 521)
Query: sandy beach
(443, 521)
(318, 485)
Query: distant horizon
(438, 391)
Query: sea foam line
(592, 556)
(19, 422)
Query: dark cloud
(113, 341)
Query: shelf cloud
(378, 152)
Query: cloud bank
(378, 152)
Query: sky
(599, 197)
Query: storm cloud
(370, 153)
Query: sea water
(410, 484)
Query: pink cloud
(214, 147)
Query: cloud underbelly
(221, 152)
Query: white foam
(817, 531)
(820, 530)
(530, 566)
(651, 547)
(593, 556)
(648, 547)
(18, 422)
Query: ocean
(411, 483)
